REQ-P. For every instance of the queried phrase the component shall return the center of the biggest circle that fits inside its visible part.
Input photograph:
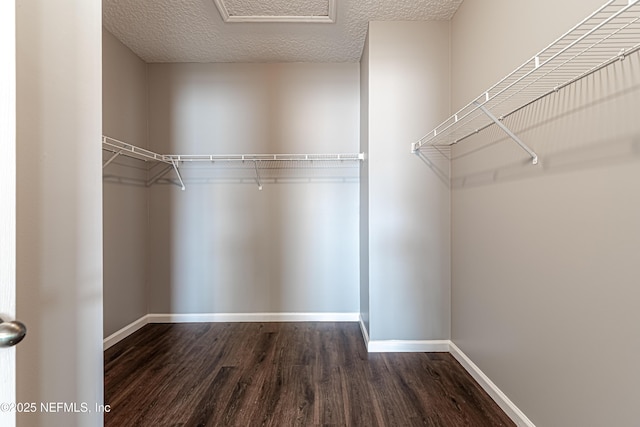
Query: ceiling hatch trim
(329, 18)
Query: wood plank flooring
(284, 374)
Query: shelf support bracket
(255, 164)
(506, 130)
(159, 175)
(175, 167)
(111, 159)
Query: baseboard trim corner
(363, 330)
(121, 334)
(512, 411)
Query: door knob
(11, 333)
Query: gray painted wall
(545, 258)
(222, 246)
(408, 210)
(125, 209)
(59, 208)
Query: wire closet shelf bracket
(606, 36)
(120, 148)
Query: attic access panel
(311, 11)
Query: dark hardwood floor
(284, 374)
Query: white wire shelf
(266, 157)
(607, 35)
(255, 161)
(122, 148)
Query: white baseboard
(408, 346)
(252, 317)
(400, 346)
(118, 336)
(512, 411)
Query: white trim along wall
(123, 333)
(516, 415)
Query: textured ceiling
(193, 31)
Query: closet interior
(507, 235)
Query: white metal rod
(175, 166)
(159, 175)
(111, 159)
(511, 134)
(255, 164)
